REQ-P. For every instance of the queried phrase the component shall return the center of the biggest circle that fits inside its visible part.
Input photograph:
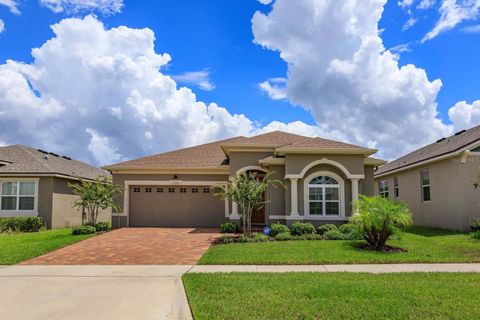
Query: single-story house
(321, 178)
(436, 181)
(34, 182)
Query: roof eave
(353, 151)
(168, 169)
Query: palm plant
(378, 219)
(247, 190)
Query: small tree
(246, 189)
(378, 219)
(95, 195)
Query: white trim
(14, 213)
(278, 216)
(354, 182)
(272, 161)
(251, 168)
(325, 161)
(294, 197)
(341, 193)
(129, 183)
(350, 151)
(56, 175)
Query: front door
(258, 216)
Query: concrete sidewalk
(93, 292)
(369, 268)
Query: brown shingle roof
(441, 147)
(26, 160)
(205, 155)
(212, 155)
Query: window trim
(425, 185)
(385, 193)
(396, 188)
(341, 196)
(17, 212)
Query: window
(160, 190)
(194, 190)
(136, 189)
(18, 195)
(183, 190)
(395, 187)
(148, 190)
(206, 190)
(171, 190)
(425, 178)
(324, 196)
(383, 188)
(477, 149)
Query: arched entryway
(259, 215)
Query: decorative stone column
(234, 214)
(354, 182)
(294, 197)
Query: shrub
(349, 231)
(379, 219)
(334, 235)
(475, 224)
(475, 235)
(277, 228)
(300, 228)
(21, 224)
(226, 239)
(284, 236)
(308, 236)
(258, 237)
(327, 227)
(83, 230)
(103, 226)
(228, 227)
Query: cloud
(12, 5)
(453, 13)
(465, 115)
(199, 79)
(472, 29)
(265, 2)
(401, 48)
(274, 87)
(426, 4)
(2, 26)
(74, 6)
(410, 23)
(353, 87)
(405, 3)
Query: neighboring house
(436, 181)
(321, 178)
(35, 183)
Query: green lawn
(333, 296)
(423, 245)
(18, 247)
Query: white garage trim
(128, 183)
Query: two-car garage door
(175, 206)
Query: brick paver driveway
(135, 246)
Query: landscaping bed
(333, 296)
(421, 245)
(17, 247)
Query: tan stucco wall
(239, 160)
(367, 185)
(45, 200)
(64, 214)
(276, 195)
(454, 201)
(296, 162)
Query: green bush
(79, 230)
(226, 239)
(103, 226)
(326, 227)
(277, 228)
(301, 228)
(228, 227)
(475, 224)
(333, 235)
(350, 232)
(284, 236)
(378, 219)
(258, 237)
(21, 224)
(475, 235)
(308, 236)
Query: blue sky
(215, 37)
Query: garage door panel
(192, 208)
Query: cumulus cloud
(200, 79)
(452, 13)
(426, 4)
(100, 95)
(12, 5)
(410, 23)
(274, 87)
(354, 88)
(75, 6)
(465, 115)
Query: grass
(423, 245)
(19, 247)
(333, 296)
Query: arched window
(324, 196)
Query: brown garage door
(174, 206)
